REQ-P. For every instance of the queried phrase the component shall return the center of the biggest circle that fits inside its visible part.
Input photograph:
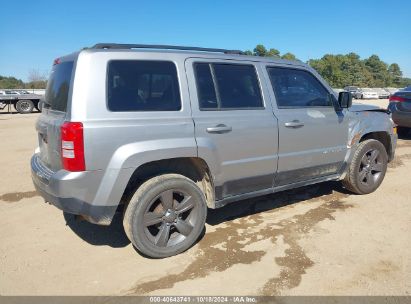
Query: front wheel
(368, 167)
(165, 216)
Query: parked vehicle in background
(9, 92)
(23, 92)
(400, 107)
(382, 94)
(24, 102)
(367, 93)
(171, 131)
(355, 91)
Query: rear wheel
(165, 216)
(24, 106)
(367, 168)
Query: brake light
(72, 146)
(397, 98)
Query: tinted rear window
(58, 86)
(140, 85)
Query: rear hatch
(54, 113)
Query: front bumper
(72, 192)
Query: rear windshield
(58, 86)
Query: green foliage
(346, 70)
(14, 83)
(343, 70)
(289, 56)
(273, 53)
(39, 84)
(379, 71)
(10, 83)
(395, 74)
(260, 50)
(405, 82)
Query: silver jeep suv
(168, 131)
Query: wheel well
(382, 137)
(194, 168)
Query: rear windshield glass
(58, 86)
(140, 85)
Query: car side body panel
(245, 165)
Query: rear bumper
(72, 192)
(402, 119)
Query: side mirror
(345, 100)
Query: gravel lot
(317, 240)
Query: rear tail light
(394, 98)
(72, 146)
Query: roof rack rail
(162, 47)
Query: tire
(24, 106)
(39, 106)
(368, 167)
(402, 131)
(159, 221)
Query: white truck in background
(23, 101)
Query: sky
(33, 33)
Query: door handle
(219, 129)
(294, 124)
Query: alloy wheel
(170, 218)
(371, 167)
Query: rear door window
(297, 88)
(58, 86)
(227, 86)
(139, 85)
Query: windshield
(58, 86)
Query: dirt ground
(317, 240)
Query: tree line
(347, 70)
(338, 70)
(36, 80)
